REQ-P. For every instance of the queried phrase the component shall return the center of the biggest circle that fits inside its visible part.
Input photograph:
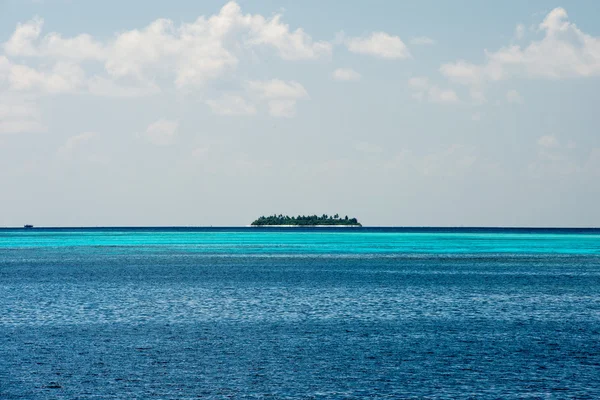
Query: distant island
(306, 220)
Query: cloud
(281, 96)
(101, 86)
(161, 132)
(445, 96)
(13, 108)
(592, 164)
(563, 52)
(365, 147)
(282, 108)
(419, 83)
(453, 161)
(21, 126)
(21, 41)
(379, 44)
(512, 96)
(133, 63)
(477, 95)
(519, 31)
(231, 104)
(200, 152)
(19, 115)
(276, 88)
(5, 67)
(189, 54)
(346, 74)
(548, 141)
(74, 142)
(553, 159)
(199, 49)
(67, 77)
(463, 72)
(424, 90)
(64, 77)
(296, 45)
(422, 41)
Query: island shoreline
(304, 226)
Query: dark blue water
(295, 313)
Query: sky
(188, 113)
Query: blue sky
(461, 113)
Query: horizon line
(297, 226)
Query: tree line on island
(305, 220)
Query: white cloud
(553, 159)
(64, 77)
(21, 126)
(447, 96)
(101, 86)
(563, 52)
(193, 54)
(231, 104)
(592, 164)
(379, 44)
(276, 88)
(422, 41)
(280, 95)
(424, 90)
(78, 48)
(72, 143)
(294, 45)
(200, 152)
(20, 43)
(557, 160)
(548, 141)
(463, 72)
(19, 115)
(5, 66)
(420, 83)
(346, 74)
(189, 54)
(161, 132)
(513, 96)
(520, 31)
(282, 108)
(366, 147)
(12, 108)
(453, 161)
(477, 95)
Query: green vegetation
(305, 220)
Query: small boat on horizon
(28, 226)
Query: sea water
(299, 313)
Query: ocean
(294, 313)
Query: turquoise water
(299, 313)
(319, 241)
